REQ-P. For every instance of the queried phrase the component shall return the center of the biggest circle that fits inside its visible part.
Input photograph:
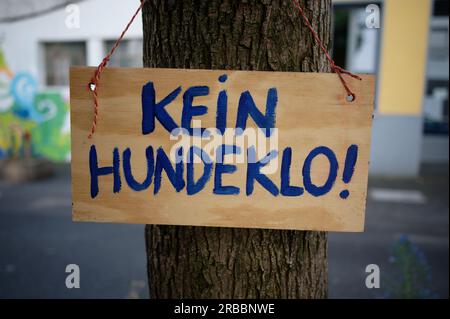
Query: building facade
(404, 42)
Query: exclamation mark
(350, 162)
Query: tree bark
(207, 262)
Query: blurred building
(409, 53)
(39, 41)
(404, 42)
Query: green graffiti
(2, 60)
(43, 116)
(48, 137)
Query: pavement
(38, 240)
(424, 223)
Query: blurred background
(404, 42)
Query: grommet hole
(351, 98)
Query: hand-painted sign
(221, 148)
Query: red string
(93, 85)
(337, 69)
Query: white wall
(99, 20)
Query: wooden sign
(274, 150)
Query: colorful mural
(27, 114)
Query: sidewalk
(424, 220)
(38, 239)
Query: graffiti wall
(26, 113)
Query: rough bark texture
(202, 262)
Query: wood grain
(312, 111)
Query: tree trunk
(207, 262)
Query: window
(128, 54)
(440, 8)
(436, 111)
(355, 45)
(58, 59)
